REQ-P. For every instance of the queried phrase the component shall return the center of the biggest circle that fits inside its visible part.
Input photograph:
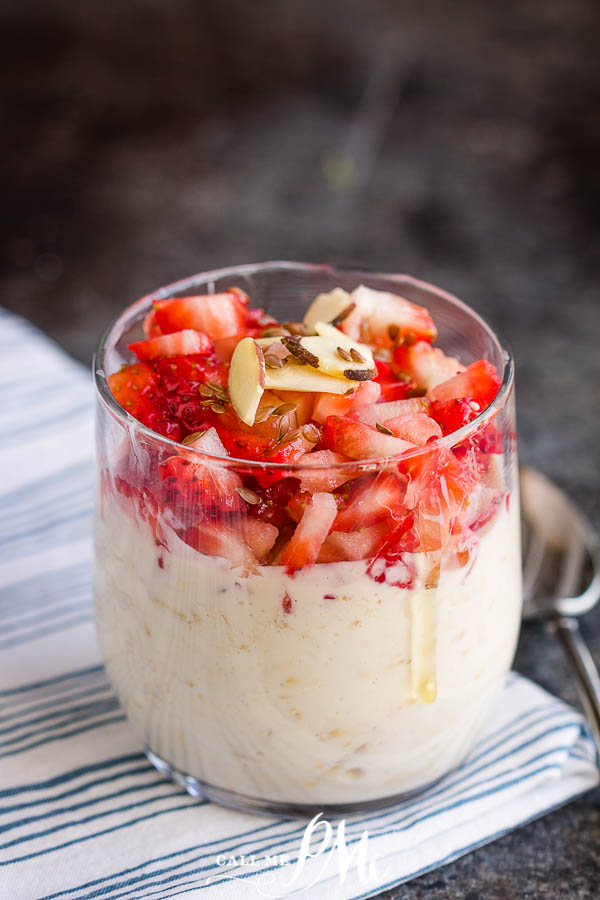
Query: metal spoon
(561, 577)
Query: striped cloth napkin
(82, 812)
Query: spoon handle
(587, 677)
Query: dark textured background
(459, 142)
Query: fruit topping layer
(357, 380)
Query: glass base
(243, 803)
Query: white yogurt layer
(324, 704)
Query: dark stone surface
(460, 142)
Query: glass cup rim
(445, 442)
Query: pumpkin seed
(272, 361)
(344, 354)
(262, 414)
(284, 408)
(311, 433)
(193, 437)
(248, 495)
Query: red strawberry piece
(391, 563)
(203, 486)
(137, 390)
(366, 394)
(331, 405)
(209, 442)
(443, 498)
(383, 310)
(273, 500)
(289, 452)
(489, 440)
(452, 414)
(372, 500)
(380, 412)
(303, 548)
(330, 554)
(143, 506)
(131, 387)
(179, 343)
(241, 442)
(361, 544)
(323, 479)
(218, 539)
(418, 428)
(177, 394)
(351, 438)
(298, 504)
(219, 315)
(392, 386)
(302, 400)
(150, 325)
(427, 365)
(479, 383)
(260, 537)
(243, 297)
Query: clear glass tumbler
(336, 687)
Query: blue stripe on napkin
(82, 812)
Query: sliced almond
(326, 347)
(294, 377)
(326, 307)
(327, 330)
(247, 379)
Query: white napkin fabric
(82, 812)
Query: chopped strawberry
(330, 554)
(243, 443)
(219, 315)
(323, 479)
(178, 379)
(302, 400)
(452, 414)
(361, 544)
(384, 311)
(358, 441)
(371, 415)
(390, 564)
(137, 390)
(131, 387)
(289, 452)
(372, 500)
(441, 496)
(367, 393)
(273, 500)
(303, 548)
(260, 536)
(418, 428)
(428, 365)
(208, 442)
(217, 539)
(331, 405)
(179, 343)
(298, 504)
(479, 383)
(393, 387)
(204, 486)
(150, 325)
(490, 440)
